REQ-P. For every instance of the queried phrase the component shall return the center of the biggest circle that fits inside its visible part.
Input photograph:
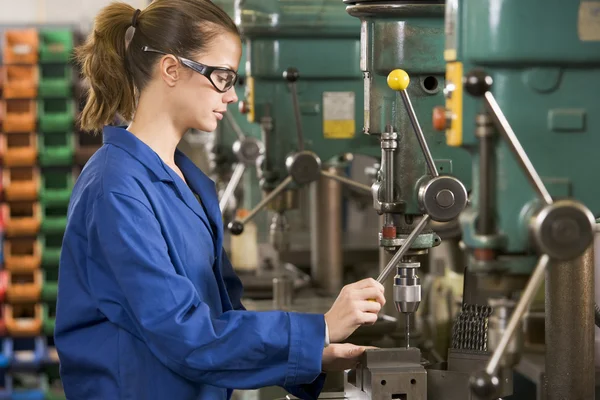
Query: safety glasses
(221, 78)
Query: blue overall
(148, 304)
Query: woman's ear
(169, 69)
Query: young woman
(148, 303)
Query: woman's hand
(357, 304)
(341, 356)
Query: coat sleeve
(232, 283)
(235, 290)
(236, 350)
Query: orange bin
(22, 254)
(21, 46)
(21, 81)
(22, 218)
(21, 183)
(20, 149)
(24, 287)
(20, 115)
(23, 320)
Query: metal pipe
(530, 290)
(486, 218)
(346, 181)
(267, 199)
(296, 106)
(327, 267)
(236, 128)
(419, 132)
(515, 146)
(238, 172)
(570, 370)
(402, 251)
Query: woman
(148, 303)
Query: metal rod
(570, 371)
(402, 251)
(346, 181)
(514, 144)
(486, 219)
(420, 136)
(267, 199)
(238, 172)
(236, 128)
(388, 179)
(296, 105)
(530, 290)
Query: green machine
(305, 90)
(520, 97)
(520, 94)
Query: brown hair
(116, 71)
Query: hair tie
(134, 20)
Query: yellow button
(398, 80)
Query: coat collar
(201, 184)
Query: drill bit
(407, 330)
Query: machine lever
(398, 80)
(479, 84)
(522, 306)
(402, 251)
(236, 128)
(237, 227)
(236, 177)
(292, 75)
(346, 181)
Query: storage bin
(19, 115)
(56, 115)
(20, 46)
(22, 218)
(20, 149)
(24, 287)
(21, 183)
(55, 81)
(56, 149)
(54, 218)
(21, 81)
(22, 254)
(56, 45)
(56, 186)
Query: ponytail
(104, 64)
(117, 71)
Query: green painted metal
(322, 42)
(545, 81)
(408, 36)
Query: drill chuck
(407, 288)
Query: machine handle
(236, 128)
(484, 383)
(346, 181)
(237, 227)
(236, 177)
(399, 80)
(292, 75)
(405, 247)
(478, 84)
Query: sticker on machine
(588, 24)
(338, 115)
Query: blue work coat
(148, 304)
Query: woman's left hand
(342, 356)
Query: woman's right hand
(354, 307)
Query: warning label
(338, 115)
